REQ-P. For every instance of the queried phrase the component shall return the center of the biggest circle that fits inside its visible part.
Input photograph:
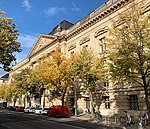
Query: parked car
(44, 111)
(41, 111)
(12, 108)
(20, 109)
(29, 110)
(58, 111)
(38, 110)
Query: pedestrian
(93, 110)
(73, 110)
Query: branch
(138, 82)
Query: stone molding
(100, 32)
(84, 40)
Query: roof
(64, 25)
(5, 76)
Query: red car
(58, 111)
(20, 109)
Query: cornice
(21, 64)
(96, 16)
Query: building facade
(88, 33)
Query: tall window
(102, 45)
(87, 102)
(71, 52)
(85, 47)
(133, 100)
(107, 102)
(106, 83)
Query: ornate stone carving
(72, 47)
(100, 32)
(84, 40)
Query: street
(20, 120)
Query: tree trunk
(15, 99)
(44, 98)
(40, 97)
(63, 97)
(91, 103)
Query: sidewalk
(109, 123)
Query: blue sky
(33, 17)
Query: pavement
(106, 122)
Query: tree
(21, 80)
(55, 72)
(8, 43)
(7, 91)
(90, 69)
(36, 85)
(130, 49)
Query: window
(106, 83)
(87, 102)
(107, 102)
(105, 61)
(102, 45)
(85, 47)
(72, 102)
(72, 52)
(133, 100)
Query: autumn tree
(55, 72)
(130, 49)
(88, 67)
(8, 43)
(2, 91)
(7, 91)
(36, 85)
(21, 80)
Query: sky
(34, 17)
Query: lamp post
(75, 97)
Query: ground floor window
(133, 101)
(107, 102)
(87, 100)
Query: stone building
(89, 32)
